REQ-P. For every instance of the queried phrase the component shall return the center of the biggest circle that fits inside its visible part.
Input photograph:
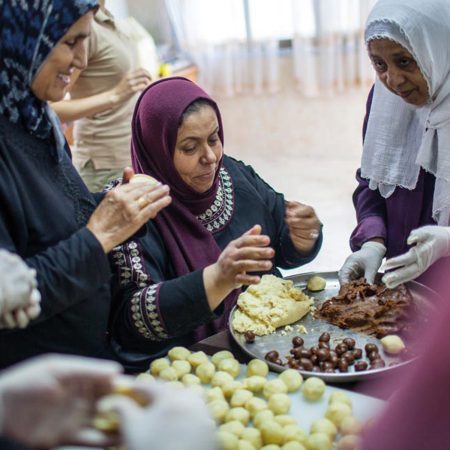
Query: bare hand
(134, 81)
(124, 210)
(303, 224)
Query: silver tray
(281, 340)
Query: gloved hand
(50, 400)
(174, 419)
(432, 242)
(19, 297)
(363, 263)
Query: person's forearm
(215, 290)
(70, 110)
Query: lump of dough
(393, 344)
(316, 284)
(292, 379)
(274, 387)
(324, 425)
(176, 353)
(313, 389)
(158, 364)
(279, 403)
(231, 366)
(205, 372)
(219, 356)
(337, 411)
(257, 367)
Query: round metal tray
(281, 340)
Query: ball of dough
(350, 425)
(271, 447)
(144, 376)
(257, 367)
(274, 387)
(240, 397)
(205, 372)
(221, 378)
(245, 445)
(233, 426)
(318, 441)
(279, 403)
(176, 353)
(214, 394)
(292, 379)
(182, 367)
(219, 356)
(218, 409)
(313, 389)
(293, 433)
(393, 344)
(324, 425)
(285, 419)
(341, 397)
(316, 283)
(229, 388)
(255, 405)
(254, 383)
(337, 411)
(349, 442)
(159, 364)
(197, 358)
(238, 413)
(263, 416)
(227, 440)
(272, 433)
(252, 435)
(168, 374)
(292, 445)
(190, 379)
(231, 366)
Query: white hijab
(401, 138)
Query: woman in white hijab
(403, 197)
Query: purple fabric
(155, 124)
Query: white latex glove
(363, 263)
(50, 400)
(19, 297)
(175, 419)
(432, 242)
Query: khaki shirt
(105, 137)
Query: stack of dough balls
(271, 304)
(252, 411)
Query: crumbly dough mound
(271, 304)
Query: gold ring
(142, 202)
(314, 234)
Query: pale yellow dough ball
(340, 397)
(257, 367)
(159, 364)
(176, 353)
(227, 441)
(274, 387)
(245, 445)
(324, 425)
(221, 378)
(205, 372)
(218, 410)
(182, 367)
(219, 356)
(229, 388)
(168, 374)
(254, 383)
(255, 405)
(272, 433)
(294, 433)
(271, 447)
(349, 442)
(214, 393)
(318, 441)
(337, 411)
(252, 435)
(279, 403)
(231, 366)
(292, 379)
(238, 413)
(313, 389)
(393, 344)
(233, 426)
(190, 379)
(197, 358)
(240, 397)
(350, 425)
(292, 445)
(263, 416)
(144, 376)
(285, 419)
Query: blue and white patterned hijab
(29, 30)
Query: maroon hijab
(155, 124)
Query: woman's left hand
(303, 224)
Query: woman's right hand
(124, 210)
(248, 253)
(133, 81)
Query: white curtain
(235, 43)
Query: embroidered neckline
(219, 214)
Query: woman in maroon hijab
(224, 229)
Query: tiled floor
(308, 149)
